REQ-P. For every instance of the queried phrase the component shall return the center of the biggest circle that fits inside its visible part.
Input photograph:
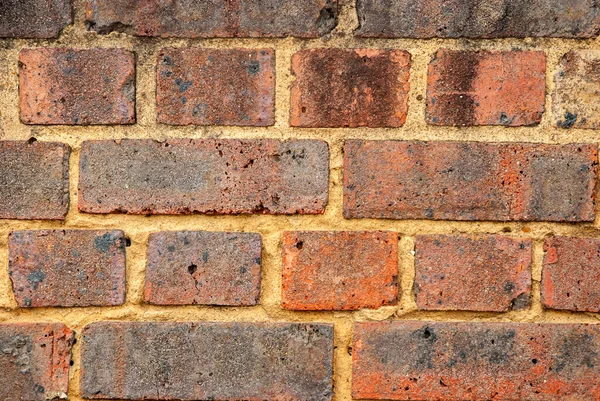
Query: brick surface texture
(200, 361)
(486, 88)
(299, 200)
(67, 267)
(216, 87)
(35, 361)
(475, 361)
(570, 274)
(485, 273)
(34, 177)
(469, 181)
(350, 88)
(339, 270)
(207, 176)
(77, 87)
(206, 268)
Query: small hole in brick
(426, 333)
(31, 140)
(192, 268)
(299, 244)
(534, 361)
(303, 109)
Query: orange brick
(350, 88)
(342, 270)
(486, 88)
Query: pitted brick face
(488, 273)
(203, 268)
(213, 18)
(207, 361)
(469, 181)
(467, 88)
(34, 180)
(37, 19)
(350, 88)
(571, 273)
(67, 267)
(216, 86)
(213, 176)
(576, 98)
(77, 87)
(344, 270)
(414, 360)
(34, 360)
(479, 19)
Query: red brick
(77, 87)
(488, 273)
(67, 267)
(343, 270)
(425, 19)
(216, 86)
(34, 359)
(571, 274)
(39, 19)
(213, 18)
(213, 176)
(207, 361)
(34, 177)
(469, 181)
(204, 268)
(576, 97)
(486, 88)
(350, 88)
(412, 360)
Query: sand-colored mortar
(138, 228)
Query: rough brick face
(216, 86)
(576, 99)
(67, 267)
(475, 361)
(489, 273)
(77, 87)
(571, 273)
(34, 360)
(469, 181)
(486, 88)
(34, 177)
(350, 88)
(478, 18)
(213, 18)
(204, 268)
(339, 270)
(34, 18)
(222, 176)
(203, 361)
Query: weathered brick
(34, 359)
(34, 18)
(67, 267)
(571, 274)
(204, 361)
(413, 360)
(489, 273)
(34, 177)
(467, 88)
(478, 18)
(213, 18)
(221, 176)
(204, 268)
(343, 270)
(216, 86)
(77, 87)
(350, 88)
(469, 181)
(576, 99)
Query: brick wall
(299, 200)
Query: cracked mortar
(138, 228)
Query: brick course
(36, 19)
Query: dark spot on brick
(253, 67)
(192, 268)
(182, 85)
(205, 256)
(36, 277)
(104, 242)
